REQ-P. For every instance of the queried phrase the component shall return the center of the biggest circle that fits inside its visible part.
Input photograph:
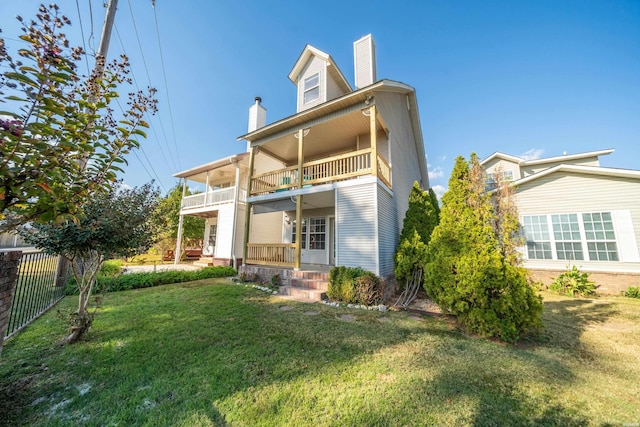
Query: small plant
(275, 280)
(632, 292)
(368, 290)
(573, 283)
(343, 284)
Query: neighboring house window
(317, 233)
(537, 235)
(311, 88)
(507, 175)
(304, 233)
(490, 183)
(601, 239)
(566, 233)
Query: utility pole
(103, 48)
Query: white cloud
(439, 190)
(435, 172)
(533, 154)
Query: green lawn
(213, 353)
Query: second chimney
(364, 57)
(257, 115)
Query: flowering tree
(60, 140)
(115, 223)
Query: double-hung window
(601, 239)
(566, 233)
(311, 89)
(537, 235)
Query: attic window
(311, 88)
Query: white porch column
(176, 255)
(374, 140)
(247, 225)
(298, 260)
(236, 200)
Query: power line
(166, 86)
(84, 45)
(135, 81)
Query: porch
(211, 198)
(328, 170)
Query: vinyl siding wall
(387, 232)
(225, 231)
(266, 228)
(239, 236)
(580, 193)
(356, 227)
(403, 157)
(506, 165)
(315, 65)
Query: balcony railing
(331, 169)
(283, 254)
(212, 198)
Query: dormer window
(311, 88)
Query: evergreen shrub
(633, 292)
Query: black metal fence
(42, 280)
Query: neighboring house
(575, 212)
(218, 192)
(338, 173)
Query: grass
(212, 353)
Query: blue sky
(534, 78)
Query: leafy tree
(468, 274)
(166, 217)
(506, 224)
(113, 224)
(419, 221)
(435, 204)
(60, 140)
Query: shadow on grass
(163, 356)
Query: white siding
(405, 168)
(261, 164)
(333, 90)
(364, 61)
(225, 231)
(315, 65)
(387, 232)
(563, 192)
(356, 223)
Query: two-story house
(328, 185)
(343, 167)
(575, 212)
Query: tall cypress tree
(419, 221)
(467, 274)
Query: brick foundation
(9, 263)
(607, 283)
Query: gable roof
(523, 162)
(332, 68)
(585, 170)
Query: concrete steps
(311, 285)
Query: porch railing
(212, 198)
(283, 254)
(331, 169)
(384, 171)
(41, 283)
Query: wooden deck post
(298, 260)
(373, 131)
(247, 217)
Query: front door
(210, 244)
(314, 240)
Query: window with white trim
(314, 233)
(601, 239)
(537, 235)
(573, 237)
(311, 88)
(566, 233)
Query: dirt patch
(383, 319)
(311, 313)
(347, 317)
(285, 307)
(426, 305)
